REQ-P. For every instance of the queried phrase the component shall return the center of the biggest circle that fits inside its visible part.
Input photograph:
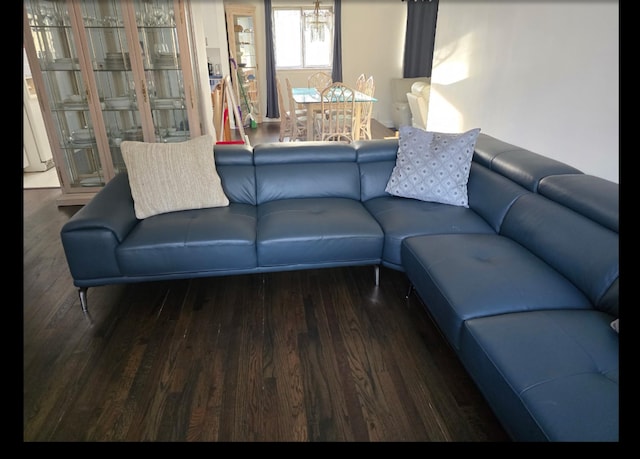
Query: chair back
(361, 82)
(319, 80)
(338, 107)
(285, 117)
(298, 121)
(366, 109)
(282, 108)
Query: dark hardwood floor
(317, 355)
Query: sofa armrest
(419, 108)
(97, 229)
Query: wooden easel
(223, 97)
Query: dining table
(311, 99)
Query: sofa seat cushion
(464, 276)
(404, 217)
(191, 241)
(317, 232)
(551, 375)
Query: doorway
(37, 158)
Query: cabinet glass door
(159, 45)
(134, 52)
(111, 65)
(67, 94)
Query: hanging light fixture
(317, 22)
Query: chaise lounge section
(522, 282)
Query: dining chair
(298, 117)
(361, 82)
(301, 110)
(337, 110)
(285, 116)
(319, 80)
(366, 109)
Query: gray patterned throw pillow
(433, 166)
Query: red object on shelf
(231, 142)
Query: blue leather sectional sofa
(523, 284)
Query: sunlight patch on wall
(450, 67)
(443, 116)
(451, 62)
(449, 73)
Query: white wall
(541, 75)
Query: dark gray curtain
(336, 72)
(273, 111)
(420, 38)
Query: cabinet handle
(144, 90)
(88, 96)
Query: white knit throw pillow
(168, 177)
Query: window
(300, 41)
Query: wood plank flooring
(307, 356)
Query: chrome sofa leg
(409, 291)
(82, 293)
(376, 270)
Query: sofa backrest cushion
(528, 168)
(237, 173)
(491, 195)
(522, 166)
(376, 159)
(306, 170)
(488, 147)
(303, 152)
(581, 249)
(591, 196)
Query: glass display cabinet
(241, 36)
(107, 71)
